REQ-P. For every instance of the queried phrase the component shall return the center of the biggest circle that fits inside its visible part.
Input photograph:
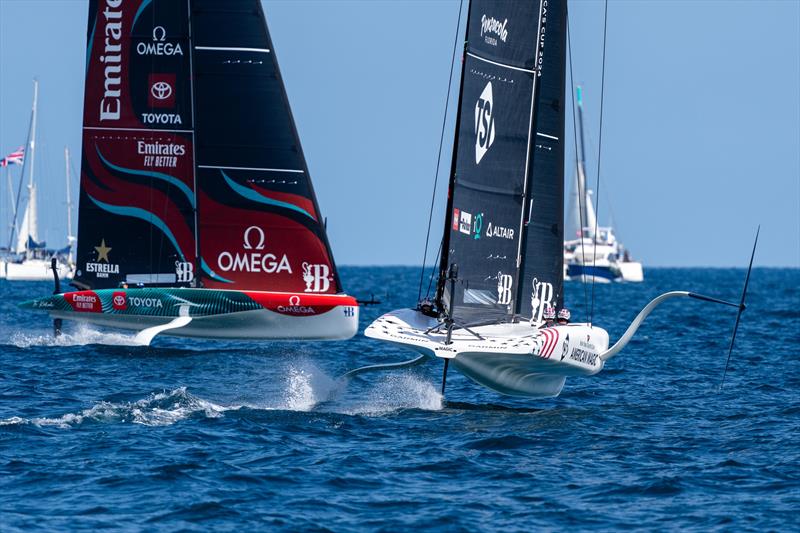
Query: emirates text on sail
(112, 58)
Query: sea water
(204, 435)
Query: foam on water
(83, 334)
(158, 409)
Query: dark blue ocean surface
(200, 435)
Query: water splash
(158, 409)
(307, 386)
(82, 335)
(394, 392)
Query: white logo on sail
(161, 90)
(465, 223)
(158, 46)
(504, 283)
(253, 239)
(112, 60)
(184, 271)
(541, 297)
(484, 123)
(316, 277)
(248, 232)
(492, 25)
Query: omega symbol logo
(159, 33)
(484, 123)
(294, 300)
(248, 232)
(161, 90)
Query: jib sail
(192, 171)
(487, 206)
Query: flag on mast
(16, 157)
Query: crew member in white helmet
(549, 317)
(563, 317)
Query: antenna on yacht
(741, 308)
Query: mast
(32, 230)
(588, 219)
(70, 235)
(29, 143)
(448, 214)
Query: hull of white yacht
(631, 271)
(515, 359)
(33, 270)
(592, 273)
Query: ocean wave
(158, 409)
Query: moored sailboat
(28, 258)
(502, 254)
(592, 253)
(197, 216)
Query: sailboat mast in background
(70, 235)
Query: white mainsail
(30, 223)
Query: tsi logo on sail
(484, 123)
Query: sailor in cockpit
(549, 317)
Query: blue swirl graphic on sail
(250, 194)
(211, 273)
(139, 11)
(147, 216)
(175, 182)
(90, 43)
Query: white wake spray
(83, 334)
(158, 409)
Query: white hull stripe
(232, 49)
(547, 136)
(499, 64)
(253, 168)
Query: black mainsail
(192, 171)
(500, 192)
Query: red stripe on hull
(300, 304)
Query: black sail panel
(137, 196)
(542, 276)
(260, 224)
(490, 174)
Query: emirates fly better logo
(484, 123)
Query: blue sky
(701, 137)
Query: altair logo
(484, 123)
